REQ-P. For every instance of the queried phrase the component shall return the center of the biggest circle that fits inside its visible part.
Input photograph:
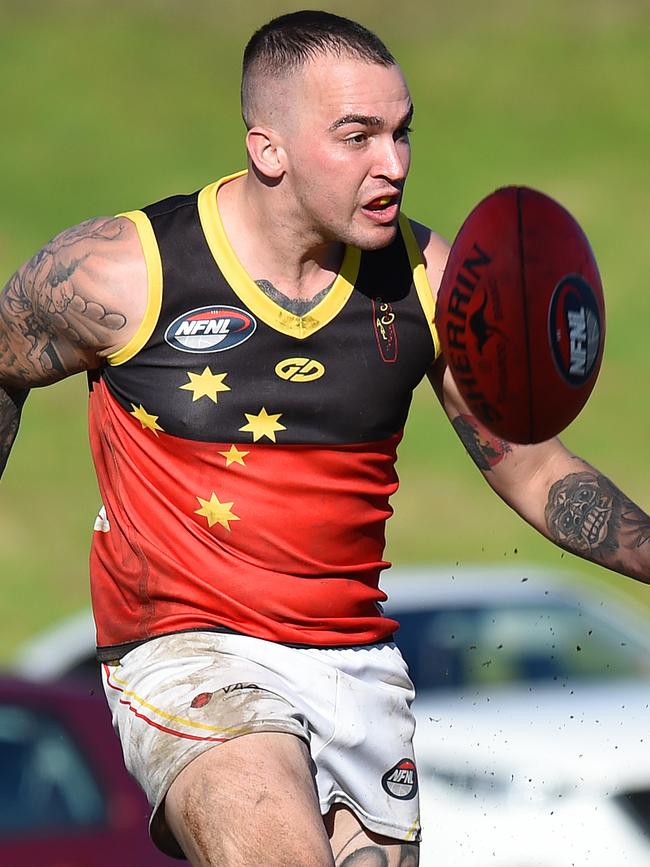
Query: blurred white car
(533, 714)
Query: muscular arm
(77, 300)
(562, 496)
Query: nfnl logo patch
(210, 329)
(401, 781)
(575, 329)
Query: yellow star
(145, 419)
(206, 384)
(263, 425)
(234, 456)
(216, 512)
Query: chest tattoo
(297, 306)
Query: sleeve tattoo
(485, 449)
(588, 515)
(48, 317)
(10, 407)
(374, 855)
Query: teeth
(381, 202)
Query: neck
(271, 245)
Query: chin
(373, 239)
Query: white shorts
(176, 696)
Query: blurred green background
(106, 107)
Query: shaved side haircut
(290, 41)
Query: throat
(297, 306)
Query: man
(252, 352)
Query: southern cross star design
(146, 419)
(206, 384)
(234, 456)
(263, 425)
(216, 512)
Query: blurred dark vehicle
(65, 798)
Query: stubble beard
(352, 235)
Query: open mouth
(381, 203)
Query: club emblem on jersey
(401, 781)
(210, 329)
(299, 369)
(385, 332)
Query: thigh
(177, 697)
(247, 802)
(355, 846)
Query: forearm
(586, 514)
(562, 496)
(11, 404)
(565, 498)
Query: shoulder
(79, 299)
(102, 265)
(108, 242)
(434, 249)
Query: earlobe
(265, 152)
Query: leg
(247, 802)
(355, 846)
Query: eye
(403, 133)
(356, 139)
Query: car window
(44, 780)
(454, 647)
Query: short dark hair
(290, 41)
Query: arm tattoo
(588, 515)
(374, 855)
(48, 317)
(10, 406)
(485, 449)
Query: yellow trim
(249, 292)
(420, 279)
(154, 289)
(129, 693)
(413, 830)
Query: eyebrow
(368, 120)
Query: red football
(521, 316)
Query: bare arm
(566, 499)
(76, 301)
(558, 493)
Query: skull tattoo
(581, 514)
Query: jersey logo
(385, 331)
(210, 329)
(299, 369)
(401, 781)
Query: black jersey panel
(213, 372)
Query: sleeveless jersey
(245, 455)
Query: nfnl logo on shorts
(575, 329)
(401, 781)
(210, 329)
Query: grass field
(107, 107)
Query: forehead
(332, 87)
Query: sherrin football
(521, 316)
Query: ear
(265, 151)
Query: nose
(392, 160)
